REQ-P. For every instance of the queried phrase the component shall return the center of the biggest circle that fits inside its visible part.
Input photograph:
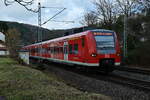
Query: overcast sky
(74, 12)
(2, 37)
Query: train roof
(73, 35)
(60, 38)
(102, 30)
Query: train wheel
(40, 65)
(107, 66)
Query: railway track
(127, 81)
(118, 79)
(134, 70)
(121, 80)
(143, 85)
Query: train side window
(52, 50)
(70, 49)
(75, 48)
(43, 50)
(61, 49)
(48, 50)
(83, 42)
(58, 50)
(55, 50)
(33, 50)
(36, 50)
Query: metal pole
(125, 36)
(39, 28)
(39, 22)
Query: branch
(24, 3)
(121, 6)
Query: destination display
(95, 33)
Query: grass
(19, 82)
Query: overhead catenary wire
(53, 7)
(54, 16)
(63, 21)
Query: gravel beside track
(87, 84)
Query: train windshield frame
(105, 43)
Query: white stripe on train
(72, 62)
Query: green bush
(140, 55)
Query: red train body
(95, 48)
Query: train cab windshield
(105, 43)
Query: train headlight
(94, 55)
(118, 54)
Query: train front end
(105, 50)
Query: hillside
(29, 32)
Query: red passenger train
(97, 48)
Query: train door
(65, 50)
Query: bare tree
(12, 42)
(144, 6)
(90, 19)
(145, 3)
(24, 3)
(127, 6)
(107, 11)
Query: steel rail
(134, 83)
(134, 70)
(121, 80)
